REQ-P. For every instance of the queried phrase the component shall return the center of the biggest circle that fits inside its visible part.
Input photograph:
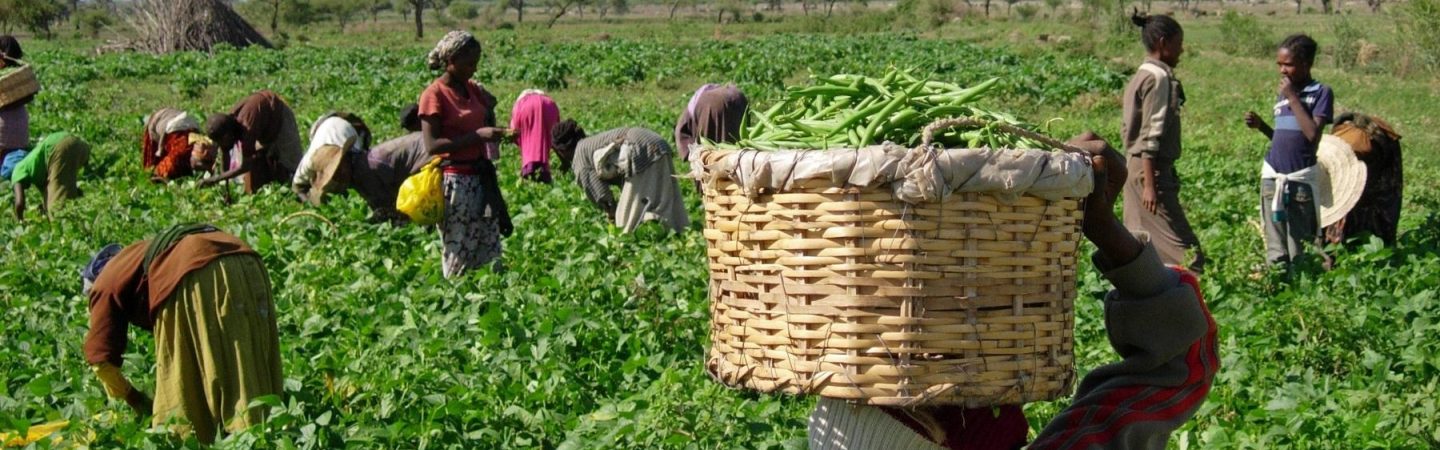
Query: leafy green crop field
(595, 339)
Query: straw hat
(1342, 179)
(326, 162)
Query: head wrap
(12, 159)
(204, 155)
(448, 47)
(97, 263)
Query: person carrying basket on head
(1156, 320)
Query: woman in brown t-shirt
(263, 127)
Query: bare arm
(1254, 121)
(1308, 126)
(1148, 196)
(233, 172)
(436, 145)
(20, 201)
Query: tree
(1054, 5)
(564, 6)
(39, 15)
(439, 7)
(674, 5)
(340, 10)
(1325, 6)
(1010, 6)
(987, 8)
(418, 7)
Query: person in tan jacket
(1151, 136)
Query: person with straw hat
(1156, 320)
(206, 297)
(1377, 212)
(172, 146)
(262, 129)
(344, 131)
(376, 174)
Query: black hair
(564, 137)
(1155, 28)
(410, 117)
(566, 134)
(10, 47)
(1302, 47)
(220, 126)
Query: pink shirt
(532, 118)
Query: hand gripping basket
(17, 84)
(893, 276)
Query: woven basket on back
(848, 292)
(18, 84)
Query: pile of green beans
(855, 111)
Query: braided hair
(1301, 47)
(1155, 28)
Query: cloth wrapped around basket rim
(915, 175)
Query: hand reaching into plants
(1101, 226)
(139, 402)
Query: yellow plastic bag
(421, 197)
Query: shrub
(463, 10)
(93, 20)
(1349, 40)
(936, 12)
(1242, 35)
(1420, 22)
(1026, 12)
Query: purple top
(1289, 150)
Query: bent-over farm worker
(637, 160)
(206, 297)
(53, 167)
(262, 129)
(172, 146)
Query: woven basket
(17, 85)
(849, 293)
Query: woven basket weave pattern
(18, 84)
(849, 293)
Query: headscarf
(448, 47)
(97, 263)
(205, 153)
(12, 159)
